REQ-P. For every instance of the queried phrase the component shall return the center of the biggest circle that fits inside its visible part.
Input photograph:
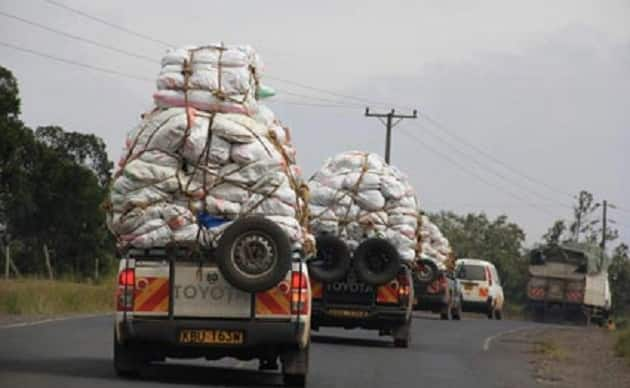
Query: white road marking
(488, 340)
(50, 320)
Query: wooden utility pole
(7, 261)
(389, 124)
(604, 224)
(48, 266)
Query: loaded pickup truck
(569, 280)
(371, 290)
(249, 298)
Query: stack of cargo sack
(435, 246)
(208, 154)
(357, 196)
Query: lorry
(371, 289)
(249, 299)
(569, 281)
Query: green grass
(45, 297)
(622, 346)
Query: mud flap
(295, 361)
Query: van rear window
(471, 272)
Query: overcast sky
(541, 86)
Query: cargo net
(356, 196)
(209, 153)
(435, 246)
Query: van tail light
(126, 290)
(299, 293)
(404, 289)
(438, 286)
(483, 292)
(489, 276)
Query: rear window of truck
(471, 272)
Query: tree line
(52, 185)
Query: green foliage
(622, 346)
(619, 276)
(52, 185)
(9, 94)
(498, 241)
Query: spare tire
(254, 254)
(332, 261)
(426, 272)
(376, 261)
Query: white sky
(542, 86)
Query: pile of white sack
(357, 195)
(434, 245)
(208, 154)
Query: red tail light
(127, 277)
(126, 290)
(299, 293)
(404, 288)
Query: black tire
(427, 272)
(332, 261)
(254, 254)
(498, 315)
(127, 362)
(376, 261)
(445, 313)
(295, 367)
(402, 335)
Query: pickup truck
(437, 290)
(352, 301)
(179, 302)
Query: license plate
(468, 286)
(211, 337)
(347, 313)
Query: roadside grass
(514, 311)
(622, 345)
(31, 296)
(550, 349)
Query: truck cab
(177, 302)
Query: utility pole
(604, 222)
(389, 124)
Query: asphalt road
(468, 353)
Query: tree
(555, 233)
(498, 241)
(9, 94)
(619, 276)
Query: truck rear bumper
(160, 336)
(379, 317)
(431, 302)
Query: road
(469, 353)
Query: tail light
(126, 289)
(483, 292)
(438, 286)
(404, 289)
(299, 293)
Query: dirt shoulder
(572, 357)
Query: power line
(492, 171)
(463, 168)
(75, 63)
(109, 24)
(76, 37)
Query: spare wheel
(427, 271)
(376, 261)
(332, 261)
(254, 254)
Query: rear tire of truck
(402, 335)
(254, 254)
(295, 367)
(427, 273)
(498, 315)
(376, 261)
(456, 313)
(445, 314)
(332, 261)
(127, 361)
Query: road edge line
(51, 320)
(488, 340)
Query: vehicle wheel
(498, 315)
(376, 261)
(402, 335)
(456, 313)
(295, 367)
(427, 272)
(332, 261)
(127, 362)
(254, 254)
(445, 314)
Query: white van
(481, 287)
